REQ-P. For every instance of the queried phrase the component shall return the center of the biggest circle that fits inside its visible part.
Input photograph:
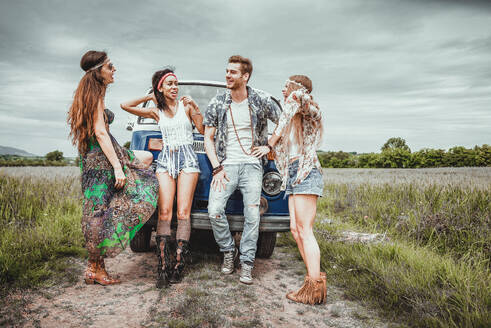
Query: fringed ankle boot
(324, 281)
(163, 254)
(294, 293)
(183, 257)
(312, 292)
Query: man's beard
(235, 85)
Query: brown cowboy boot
(106, 277)
(90, 271)
(99, 275)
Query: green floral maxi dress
(111, 217)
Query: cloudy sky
(420, 70)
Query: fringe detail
(312, 292)
(324, 282)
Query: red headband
(164, 77)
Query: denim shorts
(313, 184)
(183, 158)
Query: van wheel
(265, 244)
(141, 241)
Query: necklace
(237, 135)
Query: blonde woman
(296, 139)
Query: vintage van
(273, 206)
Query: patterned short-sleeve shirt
(263, 107)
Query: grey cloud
(380, 69)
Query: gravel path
(205, 298)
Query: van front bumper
(268, 223)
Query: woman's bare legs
(167, 190)
(144, 156)
(293, 226)
(305, 207)
(186, 183)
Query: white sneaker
(228, 264)
(246, 274)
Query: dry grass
(435, 269)
(469, 177)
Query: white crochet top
(176, 131)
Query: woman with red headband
(119, 190)
(177, 164)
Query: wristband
(270, 147)
(217, 170)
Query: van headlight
(272, 183)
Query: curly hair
(161, 104)
(90, 91)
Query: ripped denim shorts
(313, 184)
(173, 161)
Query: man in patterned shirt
(236, 142)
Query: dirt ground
(205, 298)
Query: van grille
(199, 147)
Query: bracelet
(270, 147)
(217, 170)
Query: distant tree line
(54, 158)
(396, 154)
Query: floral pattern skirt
(111, 217)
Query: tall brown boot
(312, 292)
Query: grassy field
(40, 211)
(432, 270)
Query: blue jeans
(248, 179)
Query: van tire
(141, 241)
(265, 244)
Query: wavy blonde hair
(89, 93)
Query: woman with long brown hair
(120, 191)
(297, 138)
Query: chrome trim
(278, 190)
